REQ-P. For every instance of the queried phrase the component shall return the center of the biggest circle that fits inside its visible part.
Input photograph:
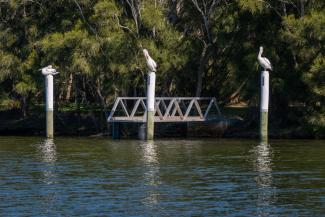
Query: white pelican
(48, 70)
(150, 62)
(263, 61)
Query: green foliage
(316, 123)
(252, 5)
(8, 65)
(97, 47)
(306, 38)
(315, 77)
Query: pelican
(150, 62)
(263, 61)
(48, 70)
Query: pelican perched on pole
(152, 66)
(48, 70)
(263, 61)
(264, 109)
(151, 86)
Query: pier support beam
(49, 106)
(264, 109)
(115, 130)
(151, 83)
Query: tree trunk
(135, 6)
(284, 9)
(200, 70)
(68, 96)
(302, 8)
(101, 97)
(235, 95)
(24, 106)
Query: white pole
(49, 92)
(48, 72)
(265, 91)
(49, 106)
(264, 109)
(151, 84)
(151, 91)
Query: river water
(102, 177)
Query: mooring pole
(48, 72)
(264, 109)
(49, 106)
(151, 83)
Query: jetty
(166, 110)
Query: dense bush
(202, 47)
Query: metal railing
(167, 109)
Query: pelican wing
(151, 64)
(154, 64)
(267, 63)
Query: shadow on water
(262, 161)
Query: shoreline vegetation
(202, 48)
(240, 122)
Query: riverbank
(67, 123)
(239, 123)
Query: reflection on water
(47, 151)
(48, 154)
(151, 172)
(149, 153)
(102, 177)
(263, 166)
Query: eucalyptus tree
(197, 18)
(103, 43)
(16, 35)
(305, 36)
(202, 47)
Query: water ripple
(94, 177)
